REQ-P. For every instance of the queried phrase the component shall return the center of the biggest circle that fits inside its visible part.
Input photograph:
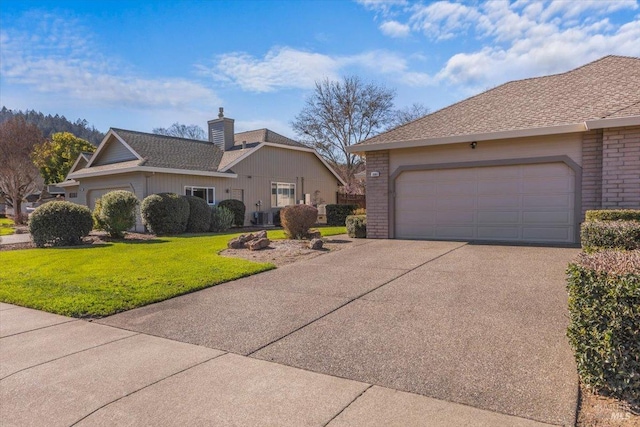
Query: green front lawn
(6, 226)
(105, 279)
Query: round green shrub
(356, 226)
(165, 213)
(60, 224)
(115, 212)
(221, 219)
(199, 215)
(297, 220)
(237, 207)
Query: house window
(282, 194)
(206, 193)
(73, 195)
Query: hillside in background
(49, 124)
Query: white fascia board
(67, 183)
(509, 134)
(242, 157)
(73, 168)
(104, 143)
(614, 122)
(84, 173)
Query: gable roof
(264, 135)
(608, 88)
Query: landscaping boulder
(316, 244)
(314, 234)
(260, 235)
(258, 244)
(240, 241)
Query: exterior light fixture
(473, 145)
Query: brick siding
(378, 195)
(621, 167)
(591, 170)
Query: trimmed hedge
(613, 215)
(337, 214)
(60, 224)
(238, 208)
(356, 226)
(297, 220)
(221, 219)
(597, 235)
(199, 215)
(165, 213)
(276, 218)
(604, 329)
(115, 212)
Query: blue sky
(144, 64)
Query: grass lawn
(6, 226)
(105, 279)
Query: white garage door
(529, 203)
(94, 195)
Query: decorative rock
(257, 244)
(261, 235)
(314, 234)
(236, 243)
(316, 244)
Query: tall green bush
(297, 220)
(337, 214)
(115, 212)
(165, 213)
(60, 224)
(237, 207)
(199, 215)
(604, 329)
(221, 219)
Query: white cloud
(522, 38)
(280, 68)
(383, 6)
(59, 57)
(289, 68)
(395, 29)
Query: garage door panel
(454, 232)
(548, 234)
(532, 202)
(549, 201)
(454, 217)
(561, 217)
(497, 201)
(498, 217)
(498, 233)
(450, 203)
(544, 185)
(456, 188)
(498, 187)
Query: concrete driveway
(382, 333)
(473, 324)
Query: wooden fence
(352, 199)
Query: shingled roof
(264, 135)
(171, 152)
(606, 88)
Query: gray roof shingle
(170, 152)
(606, 88)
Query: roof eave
(67, 183)
(613, 122)
(84, 173)
(519, 133)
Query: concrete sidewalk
(58, 371)
(15, 238)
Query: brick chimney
(221, 131)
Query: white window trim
(206, 189)
(283, 183)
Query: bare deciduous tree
(342, 113)
(182, 131)
(407, 114)
(19, 177)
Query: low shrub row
(60, 224)
(624, 235)
(297, 220)
(613, 215)
(337, 214)
(237, 208)
(115, 212)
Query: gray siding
(114, 152)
